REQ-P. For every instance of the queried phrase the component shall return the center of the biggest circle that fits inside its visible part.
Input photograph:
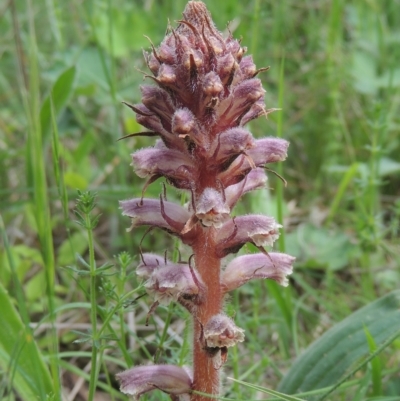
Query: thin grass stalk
(36, 163)
(93, 312)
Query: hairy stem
(206, 377)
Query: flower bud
(184, 125)
(247, 67)
(166, 54)
(152, 62)
(212, 85)
(193, 60)
(167, 75)
(226, 68)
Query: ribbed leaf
(325, 361)
(20, 357)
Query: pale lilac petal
(148, 263)
(239, 102)
(159, 102)
(256, 110)
(256, 179)
(275, 266)
(231, 144)
(267, 150)
(169, 163)
(153, 123)
(171, 281)
(167, 281)
(185, 126)
(211, 208)
(257, 229)
(220, 331)
(167, 378)
(153, 212)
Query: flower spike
(204, 90)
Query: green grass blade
(340, 192)
(19, 355)
(375, 365)
(327, 359)
(277, 394)
(60, 93)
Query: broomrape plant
(206, 90)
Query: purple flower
(257, 229)
(167, 281)
(205, 90)
(275, 266)
(220, 331)
(211, 208)
(170, 379)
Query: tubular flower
(170, 379)
(256, 229)
(220, 331)
(211, 208)
(167, 281)
(275, 266)
(205, 90)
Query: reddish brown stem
(206, 377)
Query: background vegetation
(65, 67)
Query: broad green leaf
(325, 361)
(77, 243)
(75, 181)
(388, 398)
(318, 247)
(20, 357)
(60, 93)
